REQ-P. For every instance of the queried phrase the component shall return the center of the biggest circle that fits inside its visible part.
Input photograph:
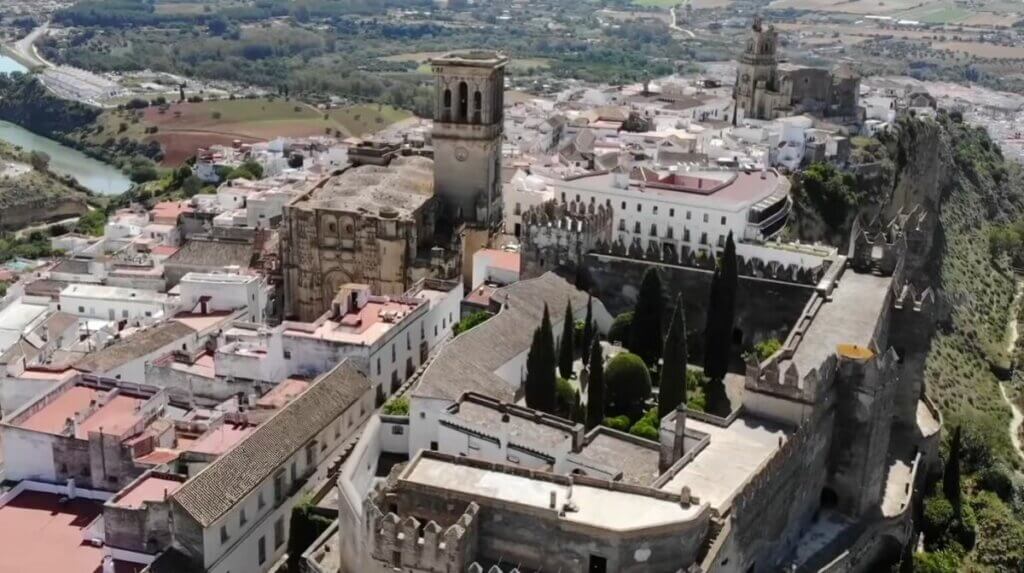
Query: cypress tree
(672, 388)
(566, 349)
(588, 331)
(951, 475)
(540, 368)
(720, 319)
(644, 338)
(595, 389)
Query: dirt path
(1017, 418)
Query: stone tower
(468, 124)
(756, 72)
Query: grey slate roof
(139, 344)
(207, 253)
(225, 482)
(467, 363)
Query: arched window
(463, 114)
(478, 102)
(446, 110)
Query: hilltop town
(759, 317)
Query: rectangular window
(287, 354)
(705, 217)
(261, 550)
(723, 220)
(242, 520)
(397, 430)
(622, 224)
(260, 502)
(639, 208)
(655, 209)
(392, 353)
(703, 238)
(378, 366)
(721, 241)
(311, 454)
(224, 534)
(623, 205)
(671, 212)
(279, 533)
(279, 487)
(519, 209)
(294, 472)
(81, 309)
(124, 313)
(688, 215)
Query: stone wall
(764, 308)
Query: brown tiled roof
(468, 362)
(222, 484)
(139, 344)
(207, 253)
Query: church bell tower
(469, 96)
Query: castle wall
(765, 308)
(540, 540)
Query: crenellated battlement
(880, 246)
(409, 543)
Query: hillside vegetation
(955, 173)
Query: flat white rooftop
(602, 508)
(104, 292)
(218, 278)
(730, 459)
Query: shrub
(565, 398)
(766, 348)
(945, 561)
(620, 327)
(647, 426)
(397, 406)
(470, 321)
(938, 515)
(628, 384)
(620, 423)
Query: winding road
(1017, 417)
(675, 26)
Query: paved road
(24, 50)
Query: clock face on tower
(461, 153)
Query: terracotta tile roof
(135, 346)
(222, 484)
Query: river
(94, 175)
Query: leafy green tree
(566, 352)
(304, 527)
(588, 330)
(142, 169)
(540, 368)
(596, 386)
(645, 331)
(191, 186)
(628, 384)
(672, 387)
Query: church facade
(767, 89)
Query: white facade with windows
(693, 209)
(115, 303)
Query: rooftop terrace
(733, 455)
(596, 507)
(42, 534)
(112, 418)
(146, 489)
